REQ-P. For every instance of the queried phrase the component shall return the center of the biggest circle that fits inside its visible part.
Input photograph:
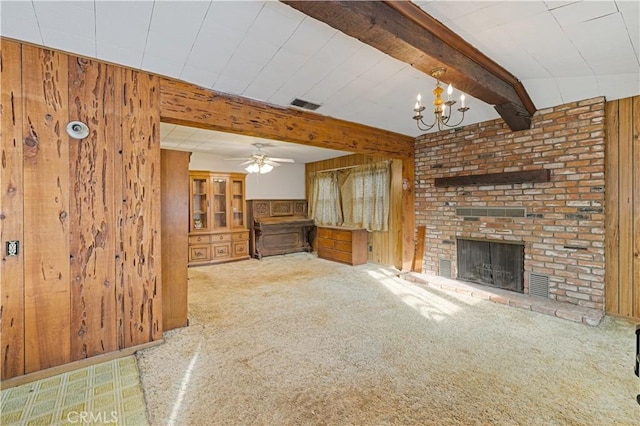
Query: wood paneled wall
(384, 247)
(622, 255)
(86, 212)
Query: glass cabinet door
(219, 185)
(199, 203)
(237, 203)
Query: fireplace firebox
(496, 264)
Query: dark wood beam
(404, 31)
(189, 105)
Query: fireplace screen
(492, 263)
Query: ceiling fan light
(266, 168)
(253, 168)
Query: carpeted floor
(296, 340)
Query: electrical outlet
(370, 248)
(12, 248)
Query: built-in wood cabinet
(344, 245)
(217, 228)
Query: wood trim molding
(404, 31)
(74, 365)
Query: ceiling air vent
(305, 104)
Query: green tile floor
(107, 393)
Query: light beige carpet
(296, 340)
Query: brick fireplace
(559, 220)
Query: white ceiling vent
(305, 104)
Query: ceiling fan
(260, 162)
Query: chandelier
(441, 108)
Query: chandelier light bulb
(449, 91)
(462, 100)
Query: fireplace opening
(496, 264)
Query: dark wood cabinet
(344, 245)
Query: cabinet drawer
(324, 233)
(325, 253)
(199, 239)
(221, 250)
(199, 253)
(241, 248)
(240, 236)
(342, 256)
(344, 246)
(341, 235)
(323, 242)
(220, 237)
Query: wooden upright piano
(278, 227)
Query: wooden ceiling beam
(404, 31)
(189, 105)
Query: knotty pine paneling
(11, 200)
(87, 279)
(385, 247)
(92, 214)
(140, 216)
(622, 279)
(46, 208)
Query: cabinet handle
(199, 238)
(198, 253)
(221, 237)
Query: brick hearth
(562, 227)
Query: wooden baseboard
(65, 368)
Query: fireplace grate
(444, 267)
(538, 285)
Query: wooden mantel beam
(404, 31)
(189, 105)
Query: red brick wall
(563, 233)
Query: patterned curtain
(325, 203)
(365, 197)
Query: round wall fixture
(77, 130)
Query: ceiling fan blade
(282, 160)
(272, 163)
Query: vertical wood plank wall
(86, 212)
(46, 209)
(622, 271)
(386, 247)
(11, 206)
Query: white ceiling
(562, 51)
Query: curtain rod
(348, 167)
(337, 168)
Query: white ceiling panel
(18, 20)
(562, 51)
(309, 37)
(577, 88)
(617, 86)
(575, 13)
(544, 92)
(123, 24)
